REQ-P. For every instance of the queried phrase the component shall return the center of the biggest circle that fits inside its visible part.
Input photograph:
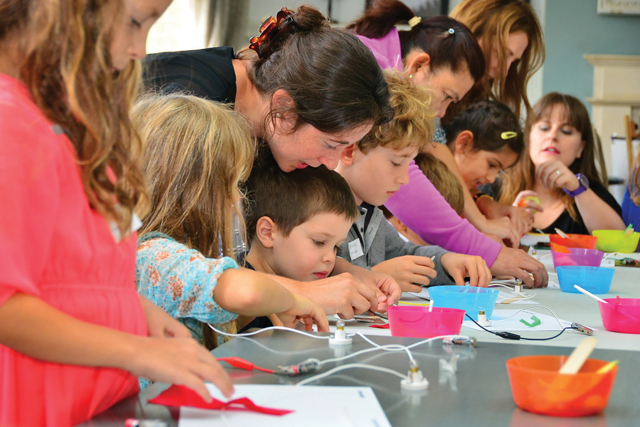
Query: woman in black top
(561, 171)
(306, 89)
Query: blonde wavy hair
(63, 49)
(493, 21)
(196, 152)
(413, 123)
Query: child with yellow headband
(485, 139)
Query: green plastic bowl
(616, 241)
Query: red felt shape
(178, 395)
(385, 326)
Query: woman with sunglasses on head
(442, 54)
(308, 91)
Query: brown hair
(332, 77)
(591, 162)
(195, 154)
(66, 66)
(412, 125)
(443, 179)
(493, 21)
(457, 51)
(293, 198)
(489, 121)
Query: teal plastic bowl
(596, 280)
(466, 298)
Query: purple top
(419, 205)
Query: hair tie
(508, 135)
(266, 43)
(414, 21)
(451, 31)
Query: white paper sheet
(313, 406)
(501, 321)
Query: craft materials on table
(311, 406)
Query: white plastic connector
(482, 319)
(340, 337)
(518, 288)
(416, 380)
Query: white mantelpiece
(616, 93)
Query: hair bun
(274, 31)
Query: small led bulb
(340, 337)
(482, 319)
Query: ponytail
(449, 43)
(381, 18)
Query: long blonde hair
(493, 21)
(196, 152)
(63, 49)
(590, 163)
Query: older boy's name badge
(355, 249)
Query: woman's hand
(554, 174)
(160, 324)
(410, 271)
(460, 266)
(307, 311)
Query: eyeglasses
(267, 27)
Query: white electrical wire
(279, 328)
(529, 309)
(351, 366)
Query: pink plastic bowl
(621, 315)
(577, 256)
(417, 322)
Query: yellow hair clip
(414, 21)
(508, 135)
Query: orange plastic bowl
(584, 241)
(538, 387)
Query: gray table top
(478, 394)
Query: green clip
(533, 324)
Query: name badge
(355, 249)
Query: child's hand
(179, 361)
(306, 310)
(528, 200)
(460, 266)
(160, 324)
(504, 229)
(410, 271)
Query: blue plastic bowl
(466, 298)
(596, 280)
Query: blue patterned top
(181, 281)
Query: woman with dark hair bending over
(307, 91)
(441, 53)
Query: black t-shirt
(205, 73)
(564, 222)
(258, 322)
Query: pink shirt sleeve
(421, 207)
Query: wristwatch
(582, 187)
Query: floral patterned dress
(181, 280)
